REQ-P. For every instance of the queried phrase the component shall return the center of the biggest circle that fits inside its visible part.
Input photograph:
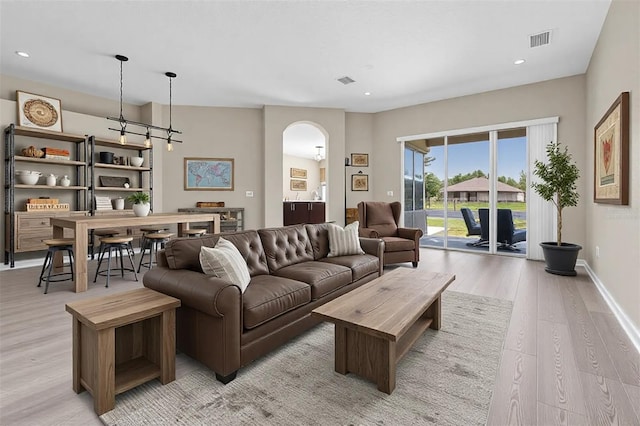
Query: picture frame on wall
(39, 112)
(359, 182)
(208, 174)
(298, 173)
(611, 159)
(298, 185)
(359, 160)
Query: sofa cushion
(322, 277)
(225, 262)
(319, 237)
(268, 296)
(250, 247)
(285, 246)
(184, 253)
(398, 244)
(360, 265)
(344, 242)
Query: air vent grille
(540, 39)
(346, 80)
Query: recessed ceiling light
(367, 93)
(22, 54)
(519, 62)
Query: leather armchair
(380, 220)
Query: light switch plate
(390, 193)
(249, 193)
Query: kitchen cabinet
(295, 212)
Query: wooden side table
(121, 341)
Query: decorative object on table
(58, 207)
(39, 112)
(169, 132)
(136, 161)
(558, 185)
(208, 174)
(56, 153)
(114, 181)
(210, 204)
(298, 173)
(298, 185)
(140, 200)
(51, 180)
(28, 177)
(118, 203)
(611, 139)
(360, 182)
(359, 160)
(103, 203)
(65, 181)
(32, 151)
(106, 157)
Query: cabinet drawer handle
(43, 223)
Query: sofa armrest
(368, 233)
(375, 247)
(410, 233)
(208, 294)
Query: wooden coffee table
(121, 341)
(377, 323)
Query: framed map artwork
(208, 174)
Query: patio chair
(507, 236)
(473, 227)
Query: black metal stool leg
(44, 267)
(108, 267)
(133, 268)
(121, 261)
(46, 287)
(71, 263)
(100, 258)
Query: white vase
(65, 181)
(51, 180)
(141, 209)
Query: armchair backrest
(505, 226)
(381, 216)
(472, 227)
(484, 224)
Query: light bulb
(147, 140)
(123, 138)
(169, 146)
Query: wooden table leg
(435, 312)
(104, 392)
(341, 350)
(80, 250)
(77, 356)
(386, 368)
(168, 347)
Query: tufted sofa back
(286, 246)
(319, 237)
(183, 253)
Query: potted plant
(558, 185)
(140, 202)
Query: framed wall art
(298, 185)
(359, 182)
(208, 174)
(360, 160)
(611, 162)
(298, 173)
(39, 112)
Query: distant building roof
(480, 184)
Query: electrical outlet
(597, 251)
(390, 193)
(249, 193)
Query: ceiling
(255, 53)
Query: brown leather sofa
(291, 275)
(379, 219)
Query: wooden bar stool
(150, 230)
(151, 243)
(193, 232)
(101, 233)
(109, 244)
(55, 245)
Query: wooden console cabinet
(295, 212)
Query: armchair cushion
(398, 244)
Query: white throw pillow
(225, 261)
(343, 242)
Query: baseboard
(623, 319)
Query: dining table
(81, 225)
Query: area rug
(446, 378)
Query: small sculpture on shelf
(32, 151)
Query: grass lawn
(457, 227)
(452, 206)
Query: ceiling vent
(540, 39)
(346, 80)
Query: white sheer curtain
(541, 214)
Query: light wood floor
(565, 361)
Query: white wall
(615, 68)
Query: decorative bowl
(136, 161)
(28, 177)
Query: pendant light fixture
(318, 155)
(124, 131)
